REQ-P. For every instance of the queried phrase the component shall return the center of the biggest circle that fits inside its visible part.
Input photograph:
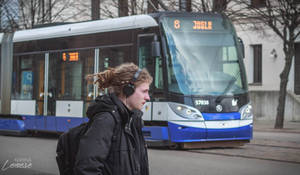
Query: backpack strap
(116, 133)
(117, 119)
(114, 113)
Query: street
(191, 163)
(37, 156)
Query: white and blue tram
(199, 93)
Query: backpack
(67, 147)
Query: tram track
(278, 153)
(276, 146)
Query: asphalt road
(167, 162)
(38, 154)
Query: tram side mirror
(241, 47)
(155, 48)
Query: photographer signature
(17, 163)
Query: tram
(199, 94)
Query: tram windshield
(203, 56)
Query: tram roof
(114, 24)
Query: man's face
(139, 97)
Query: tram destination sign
(196, 24)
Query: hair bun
(103, 79)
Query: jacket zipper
(128, 131)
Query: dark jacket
(113, 145)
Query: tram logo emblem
(219, 108)
(234, 102)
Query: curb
(284, 130)
(268, 126)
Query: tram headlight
(186, 111)
(246, 112)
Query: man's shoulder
(107, 116)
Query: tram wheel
(175, 146)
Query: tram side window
(114, 56)
(23, 76)
(28, 79)
(231, 65)
(154, 66)
(88, 68)
(172, 81)
(66, 74)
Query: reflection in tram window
(65, 76)
(67, 72)
(145, 60)
(26, 69)
(112, 57)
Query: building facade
(264, 61)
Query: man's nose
(147, 97)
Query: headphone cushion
(128, 90)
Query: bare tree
(95, 6)
(133, 6)
(185, 5)
(123, 7)
(283, 17)
(115, 8)
(219, 5)
(152, 6)
(34, 12)
(8, 15)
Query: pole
(6, 71)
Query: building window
(257, 63)
(258, 3)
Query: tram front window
(202, 62)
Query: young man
(114, 143)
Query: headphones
(129, 88)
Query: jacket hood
(106, 103)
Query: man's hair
(116, 78)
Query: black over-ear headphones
(129, 88)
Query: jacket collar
(125, 113)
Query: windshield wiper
(228, 87)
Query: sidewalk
(265, 134)
(268, 126)
(281, 145)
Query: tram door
(58, 82)
(27, 70)
(28, 92)
(65, 84)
